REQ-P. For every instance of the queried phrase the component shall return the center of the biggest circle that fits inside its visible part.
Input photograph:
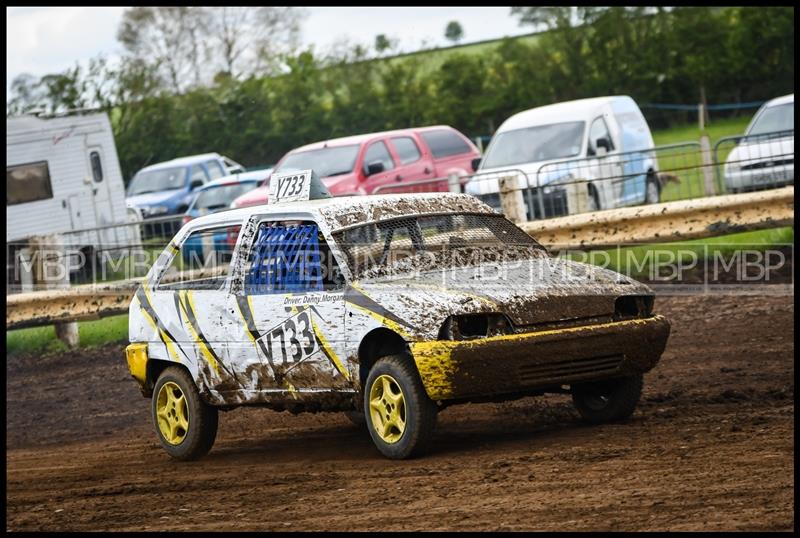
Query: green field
(91, 333)
(637, 261)
(685, 162)
(432, 59)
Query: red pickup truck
(391, 159)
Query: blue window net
(285, 259)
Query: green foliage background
(737, 54)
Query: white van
(604, 141)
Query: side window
(97, 166)
(598, 130)
(290, 257)
(406, 149)
(197, 172)
(215, 169)
(378, 152)
(28, 183)
(444, 143)
(203, 261)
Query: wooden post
(511, 200)
(577, 197)
(51, 271)
(708, 163)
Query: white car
(395, 306)
(764, 157)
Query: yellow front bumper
(520, 362)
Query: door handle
(398, 177)
(427, 170)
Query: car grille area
(568, 370)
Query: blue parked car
(168, 188)
(218, 196)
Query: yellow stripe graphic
(164, 337)
(186, 298)
(329, 350)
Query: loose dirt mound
(710, 447)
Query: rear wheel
(185, 424)
(400, 417)
(607, 400)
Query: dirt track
(710, 448)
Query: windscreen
(325, 162)
(157, 180)
(221, 197)
(535, 144)
(426, 242)
(773, 119)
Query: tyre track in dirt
(710, 447)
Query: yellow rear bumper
(137, 362)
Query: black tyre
(184, 423)
(607, 400)
(400, 416)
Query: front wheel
(400, 416)
(607, 400)
(185, 424)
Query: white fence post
(511, 200)
(51, 271)
(454, 183)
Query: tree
(166, 38)
(191, 46)
(453, 31)
(249, 41)
(382, 43)
(26, 94)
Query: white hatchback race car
(387, 307)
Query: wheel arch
(154, 369)
(378, 343)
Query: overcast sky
(43, 40)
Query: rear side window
(28, 183)
(215, 169)
(378, 152)
(444, 143)
(406, 149)
(203, 261)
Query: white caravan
(63, 175)
(604, 141)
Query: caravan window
(28, 183)
(97, 167)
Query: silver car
(764, 157)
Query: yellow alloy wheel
(172, 413)
(387, 408)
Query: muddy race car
(389, 308)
